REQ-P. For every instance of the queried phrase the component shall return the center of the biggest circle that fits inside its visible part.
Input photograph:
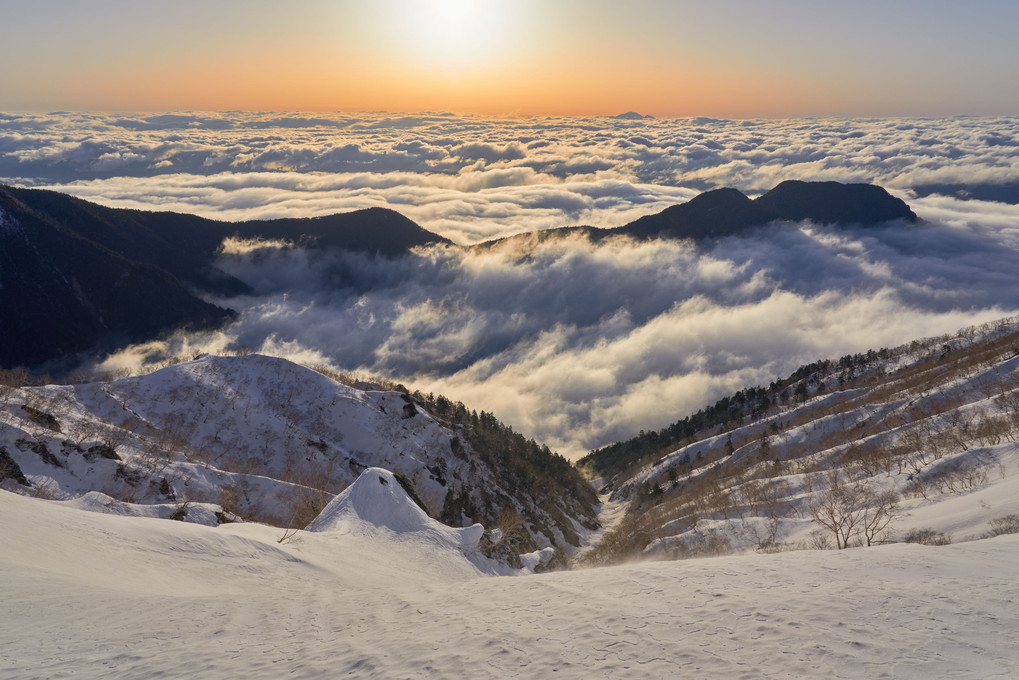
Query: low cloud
(443, 170)
(582, 344)
(573, 343)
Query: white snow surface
(93, 595)
(258, 435)
(96, 501)
(376, 503)
(377, 499)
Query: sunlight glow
(457, 36)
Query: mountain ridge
(728, 212)
(274, 441)
(77, 277)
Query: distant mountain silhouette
(1002, 192)
(834, 203)
(727, 212)
(632, 115)
(76, 276)
(712, 214)
(372, 230)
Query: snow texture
(261, 435)
(90, 595)
(376, 503)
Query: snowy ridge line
(914, 439)
(266, 440)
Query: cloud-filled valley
(574, 343)
(580, 344)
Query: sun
(452, 19)
(455, 35)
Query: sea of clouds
(574, 343)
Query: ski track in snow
(88, 595)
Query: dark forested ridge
(730, 412)
(76, 276)
(728, 212)
(525, 468)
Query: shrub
(9, 468)
(819, 540)
(40, 449)
(41, 417)
(180, 511)
(927, 537)
(1009, 524)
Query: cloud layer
(471, 178)
(573, 343)
(581, 344)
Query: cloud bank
(575, 344)
(471, 178)
(582, 344)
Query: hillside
(62, 292)
(913, 443)
(77, 277)
(271, 441)
(728, 212)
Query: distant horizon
(727, 58)
(505, 114)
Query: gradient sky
(734, 58)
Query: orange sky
(733, 58)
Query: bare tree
(6, 392)
(880, 511)
(848, 510)
(838, 507)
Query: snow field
(90, 595)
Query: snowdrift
(377, 501)
(376, 508)
(90, 595)
(196, 513)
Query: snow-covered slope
(261, 437)
(376, 504)
(928, 435)
(90, 595)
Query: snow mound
(532, 560)
(376, 500)
(195, 513)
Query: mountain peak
(834, 203)
(632, 115)
(713, 214)
(725, 212)
(379, 230)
